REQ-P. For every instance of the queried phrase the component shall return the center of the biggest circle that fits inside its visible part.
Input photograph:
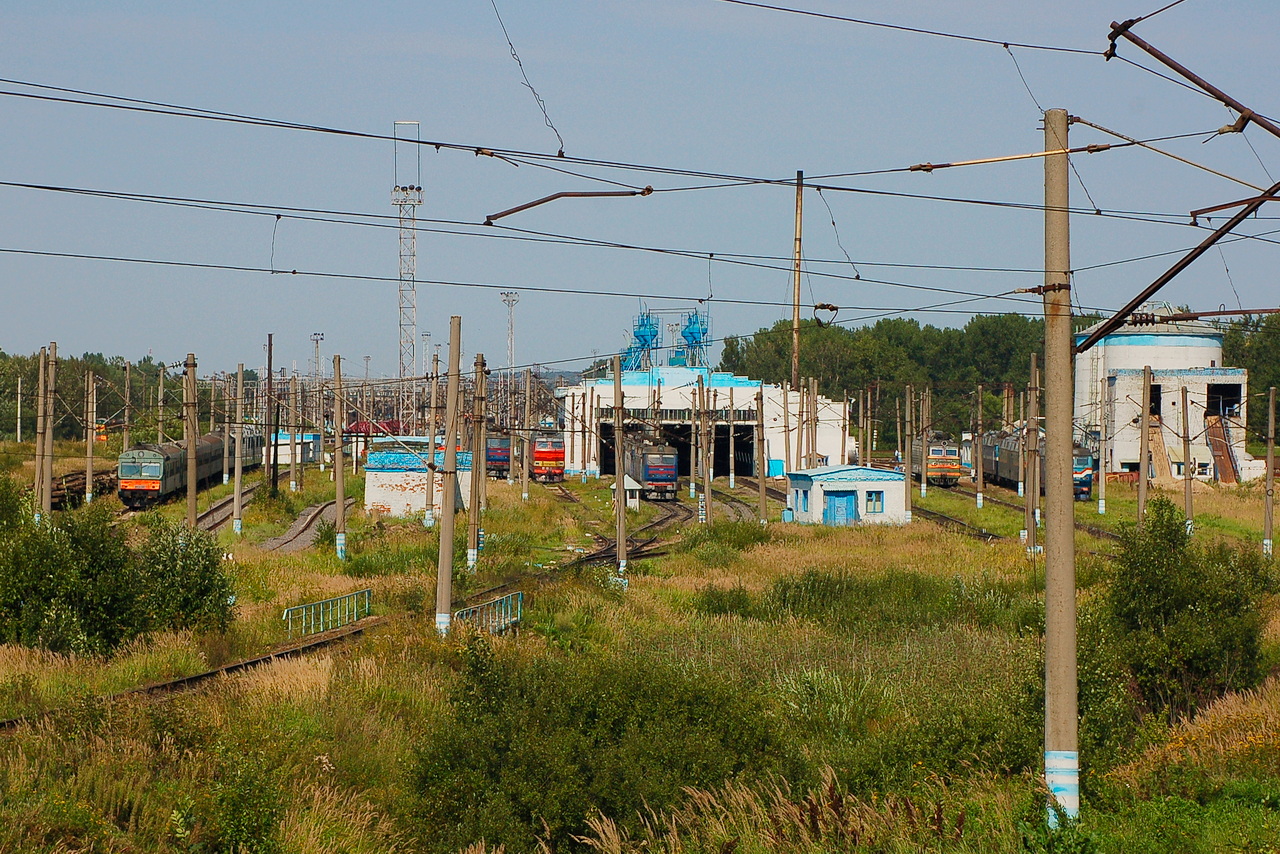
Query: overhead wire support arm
(578, 194)
(1110, 325)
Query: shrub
(534, 747)
(182, 578)
(1188, 614)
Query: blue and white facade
(1108, 398)
(664, 396)
(848, 495)
(398, 482)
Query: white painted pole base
(226, 478)
(908, 517)
(293, 486)
(1102, 506)
(524, 496)
(340, 541)
(442, 623)
(1190, 527)
(1039, 524)
(1062, 775)
(472, 557)
(732, 485)
(1266, 548)
(979, 500)
(924, 489)
(428, 519)
(1022, 535)
(1020, 489)
(88, 498)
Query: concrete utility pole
(1186, 462)
(294, 400)
(272, 419)
(1269, 509)
(844, 431)
(926, 420)
(226, 429)
(526, 437)
(128, 406)
(479, 465)
(1061, 755)
(1032, 476)
(701, 429)
(237, 509)
(339, 469)
(42, 377)
(1144, 445)
(619, 469)
(762, 461)
(897, 414)
(1102, 450)
(191, 430)
(977, 449)
(786, 424)
(50, 421)
(910, 442)
(428, 518)
(733, 460)
(90, 431)
(160, 405)
(18, 420)
(449, 484)
(795, 284)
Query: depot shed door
(840, 507)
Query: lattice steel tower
(406, 195)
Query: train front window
(665, 460)
(935, 452)
(953, 452)
(1084, 462)
(130, 470)
(150, 469)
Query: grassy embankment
(813, 686)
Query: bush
(1188, 614)
(534, 747)
(182, 578)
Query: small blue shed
(848, 495)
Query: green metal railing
(495, 616)
(329, 614)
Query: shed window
(804, 500)
(875, 502)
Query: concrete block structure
(1108, 399)
(396, 477)
(660, 402)
(848, 495)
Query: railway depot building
(661, 405)
(1182, 354)
(848, 495)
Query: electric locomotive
(654, 468)
(148, 474)
(942, 463)
(548, 459)
(1002, 464)
(497, 456)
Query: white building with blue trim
(398, 481)
(662, 399)
(848, 495)
(1108, 400)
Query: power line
(906, 29)
(542, 105)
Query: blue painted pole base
(1062, 775)
(238, 526)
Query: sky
(693, 86)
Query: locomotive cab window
(953, 452)
(935, 452)
(1084, 462)
(130, 470)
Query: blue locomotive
(655, 468)
(1002, 464)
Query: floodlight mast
(406, 195)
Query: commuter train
(943, 464)
(548, 459)
(149, 473)
(497, 456)
(1002, 464)
(655, 468)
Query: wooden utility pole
(449, 481)
(42, 377)
(428, 518)
(978, 449)
(526, 436)
(1186, 463)
(1269, 508)
(1061, 755)
(619, 468)
(478, 465)
(237, 508)
(1144, 445)
(795, 284)
(128, 406)
(762, 460)
(1101, 483)
(90, 431)
(339, 469)
(191, 431)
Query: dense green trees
(73, 584)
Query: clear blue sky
(692, 84)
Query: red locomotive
(548, 459)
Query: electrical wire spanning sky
(255, 143)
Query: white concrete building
(848, 495)
(396, 477)
(1108, 397)
(662, 398)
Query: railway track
(737, 509)
(957, 525)
(769, 491)
(221, 511)
(292, 539)
(1100, 533)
